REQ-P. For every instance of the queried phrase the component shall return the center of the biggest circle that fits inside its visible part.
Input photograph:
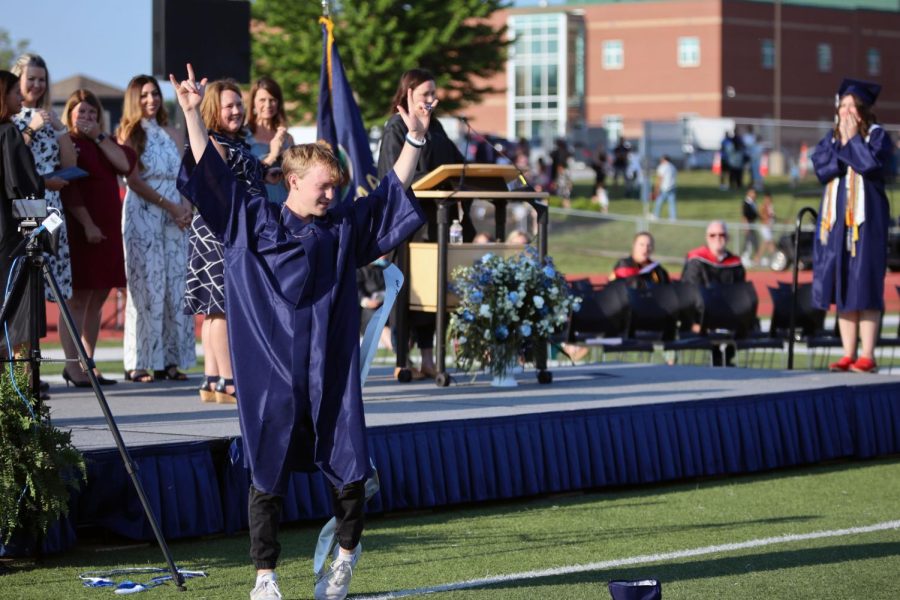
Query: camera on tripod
(31, 213)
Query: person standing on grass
(850, 249)
(293, 316)
(666, 175)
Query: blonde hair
(299, 159)
(75, 98)
(130, 129)
(33, 60)
(211, 107)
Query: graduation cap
(866, 91)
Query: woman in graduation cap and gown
(850, 247)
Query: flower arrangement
(506, 306)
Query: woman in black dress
(18, 179)
(439, 150)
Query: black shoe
(69, 380)
(104, 381)
(171, 372)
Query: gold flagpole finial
(326, 9)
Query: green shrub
(39, 466)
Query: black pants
(265, 514)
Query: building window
(613, 54)
(688, 52)
(614, 127)
(767, 48)
(824, 57)
(873, 61)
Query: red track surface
(114, 316)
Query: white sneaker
(266, 589)
(334, 584)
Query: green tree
(378, 40)
(10, 50)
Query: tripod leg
(88, 365)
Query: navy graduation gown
(853, 283)
(293, 318)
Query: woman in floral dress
(159, 337)
(52, 149)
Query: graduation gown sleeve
(384, 219)
(218, 195)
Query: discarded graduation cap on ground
(643, 589)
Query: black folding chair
(603, 321)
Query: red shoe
(864, 365)
(845, 364)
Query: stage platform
(595, 426)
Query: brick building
(615, 64)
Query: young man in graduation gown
(850, 247)
(293, 322)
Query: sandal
(138, 376)
(208, 389)
(171, 373)
(222, 396)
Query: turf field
(539, 545)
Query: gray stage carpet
(170, 412)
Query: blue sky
(108, 40)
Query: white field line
(634, 560)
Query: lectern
(426, 266)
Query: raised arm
(190, 95)
(416, 120)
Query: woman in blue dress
(268, 137)
(850, 254)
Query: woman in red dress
(94, 214)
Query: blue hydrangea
(549, 271)
(513, 297)
(477, 296)
(501, 332)
(525, 329)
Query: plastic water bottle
(456, 232)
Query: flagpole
(326, 10)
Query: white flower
(484, 310)
(538, 302)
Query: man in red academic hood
(713, 264)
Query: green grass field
(582, 245)
(411, 551)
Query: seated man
(713, 264)
(639, 270)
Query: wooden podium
(426, 266)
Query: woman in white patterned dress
(52, 149)
(159, 337)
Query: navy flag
(340, 123)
